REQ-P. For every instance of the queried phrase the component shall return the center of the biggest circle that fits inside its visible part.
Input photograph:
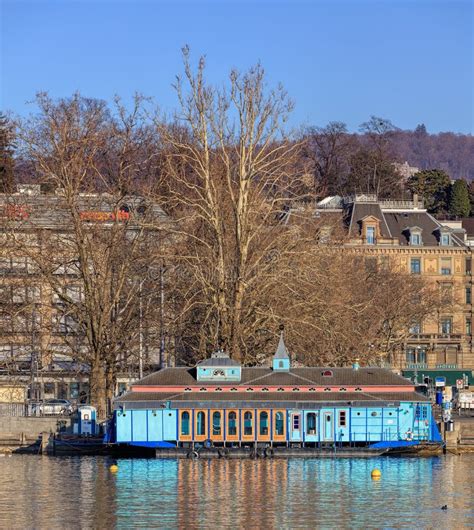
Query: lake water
(81, 492)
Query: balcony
(437, 337)
(417, 366)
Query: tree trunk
(110, 380)
(97, 384)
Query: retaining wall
(31, 427)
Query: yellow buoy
(113, 468)
(376, 474)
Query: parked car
(55, 406)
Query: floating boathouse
(219, 403)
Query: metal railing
(29, 409)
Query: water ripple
(81, 492)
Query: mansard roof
(361, 211)
(394, 218)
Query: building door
(328, 426)
(279, 425)
(295, 427)
(185, 426)
(232, 428)
(200, 425)
(217, 425)
(263, 434)
(247, 425)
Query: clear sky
(407, 60)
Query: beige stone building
(406, 234)
(37, 346)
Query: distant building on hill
(405, 170)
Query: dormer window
(445, 240)
(413, 235)
(370, 235)
(445, 236)
(415, 239)
(327, 373)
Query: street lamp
(150, 275)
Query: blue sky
(406, 60)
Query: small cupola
(219, 367)
(281, 359)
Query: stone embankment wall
(21, 431)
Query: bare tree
(97, 250)
(229, 179)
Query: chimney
(415, 201)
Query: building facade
(40, 348)
(220, 404)
(414, 242)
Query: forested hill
(454, 153)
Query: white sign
(460, 384)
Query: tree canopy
(433, 186)
(459, 203)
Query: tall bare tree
(97, 251)
(229, 167)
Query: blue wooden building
(222, 404)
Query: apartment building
(39, 348)
(417, 243)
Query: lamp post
(140, 343)
(150, 275)
(162, 306)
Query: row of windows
(21, 294)
(445, 266)
(27, 322)
(445, 326)
(415, 239)
(248, 423)
(232, 423)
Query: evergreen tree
(6, 155)
(459, 203)
(471, 198)
(433, 186)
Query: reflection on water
(45, 492)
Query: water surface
(81, 492)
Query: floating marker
(113, 468)
(376, 474)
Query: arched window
(279, 424)
(280, 364)
(248, 428)
(201, 424)
(232, 423)
(263, 423)
(216, 423)
(311, 423)
(185, 423)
